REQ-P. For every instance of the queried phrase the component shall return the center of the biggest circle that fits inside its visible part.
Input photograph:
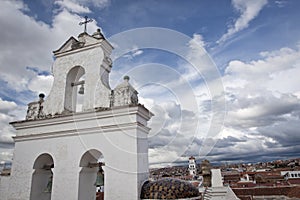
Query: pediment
(67, 46)
(84, 40)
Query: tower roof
(84, 40)
(192, 158)
(126, 84)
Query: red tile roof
(290, 191)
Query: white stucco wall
(192, 167)
(93, 58)
(119, 134)
(216, 178)
(4, 185)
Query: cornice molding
(89, 122)
(84, 131)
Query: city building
(192, 166)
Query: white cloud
(6, 155)
(197, 56)
(6, 106)
(41, 84)
(96, 3)
(248, 10)
(161, 158)
(72, 6)
(263, 107)
(178, 97)
(281, 4)
(7, 109)
(271, 72)
(197, 43)
(30, 43)
(135, 51)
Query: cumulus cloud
(281, 4)
(6, 106)
(8, 110)
(135, 51)
(31, 42)
(173, 131)
(274, 72)
(72, 6)
(6, 155)
(262, 114)
(248, 11)
(262, 108)
(41, 84)
(177, 95)
(82, 6)
(97, 3)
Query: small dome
(41, 95)
(125, 94)
(168, 188)
(126, 78)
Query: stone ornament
(35, 109)
(124, 94)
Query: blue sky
(254, 51)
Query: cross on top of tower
(87, 20)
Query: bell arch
(41, 184)
(73, 81)
(91, 164)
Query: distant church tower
(58, 146)
(192, 166)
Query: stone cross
(85, 22)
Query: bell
(81, 90)
(100, 179)
(49, 185)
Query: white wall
(118, 134)
(216, 178)
(4, 185)
(92, 58)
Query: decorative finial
(42, 96)
(126, 78)
(87, 20)
(98, 34)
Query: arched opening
(74, 87)
(41, 184)
(92, 176)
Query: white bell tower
(87, 57)
(57, 148)
(192, 166)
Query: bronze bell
(81, 90)
(100, 179)
(49, 185)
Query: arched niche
(41, 184)
(73, 82)
(89, 164)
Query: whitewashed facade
(192, 166)
(59, 145)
